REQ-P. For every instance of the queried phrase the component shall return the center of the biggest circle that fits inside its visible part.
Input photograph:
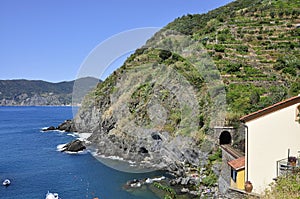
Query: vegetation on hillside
(253, 44)
(10, 88)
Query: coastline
(157, 181)
(186, 181)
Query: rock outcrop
(74, 146)
(67, 126)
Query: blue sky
(50, 39)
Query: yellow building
(237, 173)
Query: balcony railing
(284, 167)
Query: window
(233, 174)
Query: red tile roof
(270, 109)
(237, 164)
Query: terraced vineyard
(252, 44)
(255, 45)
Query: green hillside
(159, 109)
(198, 72)
(10, 88)
(255, 45)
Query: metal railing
(284, 167)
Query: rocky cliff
(159, 108)
(154, 109)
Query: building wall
(240, 180)
(269, 138)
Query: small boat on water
(6, 182)
(52, 196)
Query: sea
(30, 160)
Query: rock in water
(74, 146)
(66, 126)
(51, 128)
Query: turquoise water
(29, 158)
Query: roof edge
(270, 109)
(237, 164)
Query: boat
(52, 196)
(6, 182)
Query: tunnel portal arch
(225, 138)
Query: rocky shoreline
(188, 186)
(185, 179)
(183, 188)
(73, 146)
(182, 179)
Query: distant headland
(22, 92)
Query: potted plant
(292, 160)
(248, 186)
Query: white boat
(52, 196)
(6, 182)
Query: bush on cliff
(285, 187)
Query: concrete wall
(269, 138)
(225, 175)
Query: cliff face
(159, 108)
(145, 135)
(154, 110)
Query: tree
(164, 54)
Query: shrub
(164, 54)
(288, 61)
(259, 37)
(140, 51)
(232, 67)
(285, 187)
(295, 88)
(217, 156)
(219, 48)
(272, 14)
(290, 70)
(242, 48)
(210, 179)
(222, 37)
(170, 193)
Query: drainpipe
(247, 132)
